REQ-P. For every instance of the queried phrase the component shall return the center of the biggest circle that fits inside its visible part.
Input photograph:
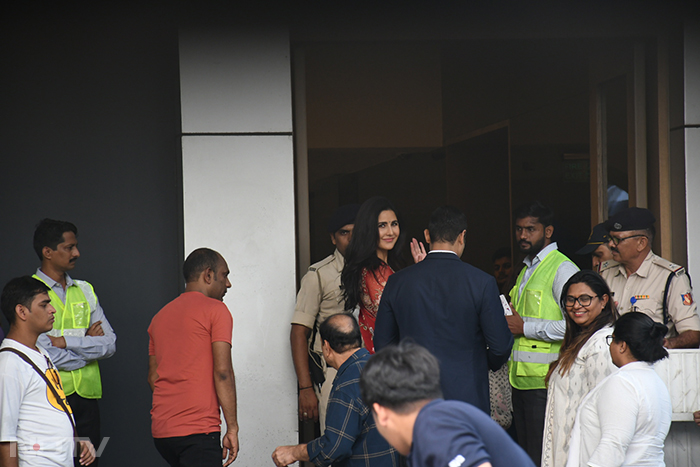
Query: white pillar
(682, 446)
(692, 144)
(238, 190)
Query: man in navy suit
(451, 308)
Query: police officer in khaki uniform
(319, 297)
(642, 281)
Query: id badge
(81, 314)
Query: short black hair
(446, 223)
(501, 253)
(398, 376)
(199, 261)
(539, 211)
(20, 291)
(643, 336)
(49, 232)
(342, 332)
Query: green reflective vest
(72, 319)
(530, 359)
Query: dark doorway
(429, 123)
(478, 182)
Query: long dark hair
(362, 251)
(643, 336)
(576, 336)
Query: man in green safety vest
(537, 322)
(81, 334)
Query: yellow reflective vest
(530, 359)
(72, 318)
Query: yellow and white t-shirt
(29, 412)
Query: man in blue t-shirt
(402, 386)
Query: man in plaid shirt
(351, 437)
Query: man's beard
(534, 248)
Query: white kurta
(623, 421)
(564, 394)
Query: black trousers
(87, 420)
(528, 415)
(198, 450)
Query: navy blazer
(452, 309)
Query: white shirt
(548, 331)
(623, 421)
(29, 414)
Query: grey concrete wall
(89, 132)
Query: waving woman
(370, 259)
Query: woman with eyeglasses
(584, 359)
(625, 419)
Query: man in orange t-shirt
(190, 369)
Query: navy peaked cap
(630, 219)
(342, 216)
(599, 236)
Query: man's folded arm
(64, 359)
(94, 347)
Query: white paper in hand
(506, 306)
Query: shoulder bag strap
(48, 383)
(664, 306)
(315, 360)
(315, 330)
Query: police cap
(342, 216)
(630, 219)
(599, 236)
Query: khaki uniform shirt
(319, 295)
(644, 291)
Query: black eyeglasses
(618, 240)
(583, 300)
(609, 339)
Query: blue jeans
(198, 450)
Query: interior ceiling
(502, 19)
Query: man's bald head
(342, 333)
(199, 261)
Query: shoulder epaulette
(325, 261)
(609, 264)
(666, 264)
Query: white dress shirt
(623, 421)
(548, 331)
